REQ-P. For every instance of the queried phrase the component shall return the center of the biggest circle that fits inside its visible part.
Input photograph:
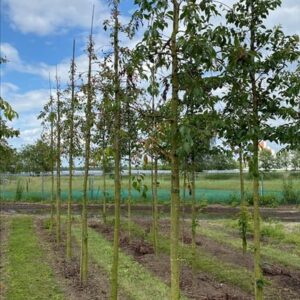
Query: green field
(214, 188)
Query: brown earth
(283, 213)
(285, 281)
(195, 286)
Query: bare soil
(285, 281)
(195, 286)
(68, 272)
(283, 213)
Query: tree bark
(104, 185)
(58, 164)
(52, 160)
(194, 216)
(258, 276)
(71, 151)
(175, 188)
(154, 177)
(244, 211)
(129, 192)
(117, 154)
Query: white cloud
(27, 102)
(287, 16)
(27, 105)
(10, 53)
(44, 17)
(7, 87)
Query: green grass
(29, 276)
(203, 181)
(269, 252)
(225, 272)
(134, 279)
(277, 232)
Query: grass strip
(4, 235)
(30, 277)
(288, 259)
(222, 271)
(136, 280)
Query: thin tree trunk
(256, 218)
(89, 124)
(154, 204)
(183, 201)
(104, 165)
(184, 185)
(104, 188)
(194, 215)
(129, 192)
(244, 211)
(117, 154)
(58, 163)
(154, 176)
(71, 150)
(52, 158)
(175, 188)
(258, 276)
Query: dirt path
(198, 286)
(98, 286)
(285, 282)
(283, 213)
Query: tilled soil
(195, 286)
(285, 282)
(68, 272)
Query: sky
(37, 35)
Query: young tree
(71, 139)
(89, 91)
(130, 143)
(173, 51)
(103, 138)
(256, 58)
(117, 148)
(48, 119)
(58, 158)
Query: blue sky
(36, 35)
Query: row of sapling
(188, 59)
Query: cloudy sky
(37, 35)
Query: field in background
(210, 187)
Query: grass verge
(29, 275)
